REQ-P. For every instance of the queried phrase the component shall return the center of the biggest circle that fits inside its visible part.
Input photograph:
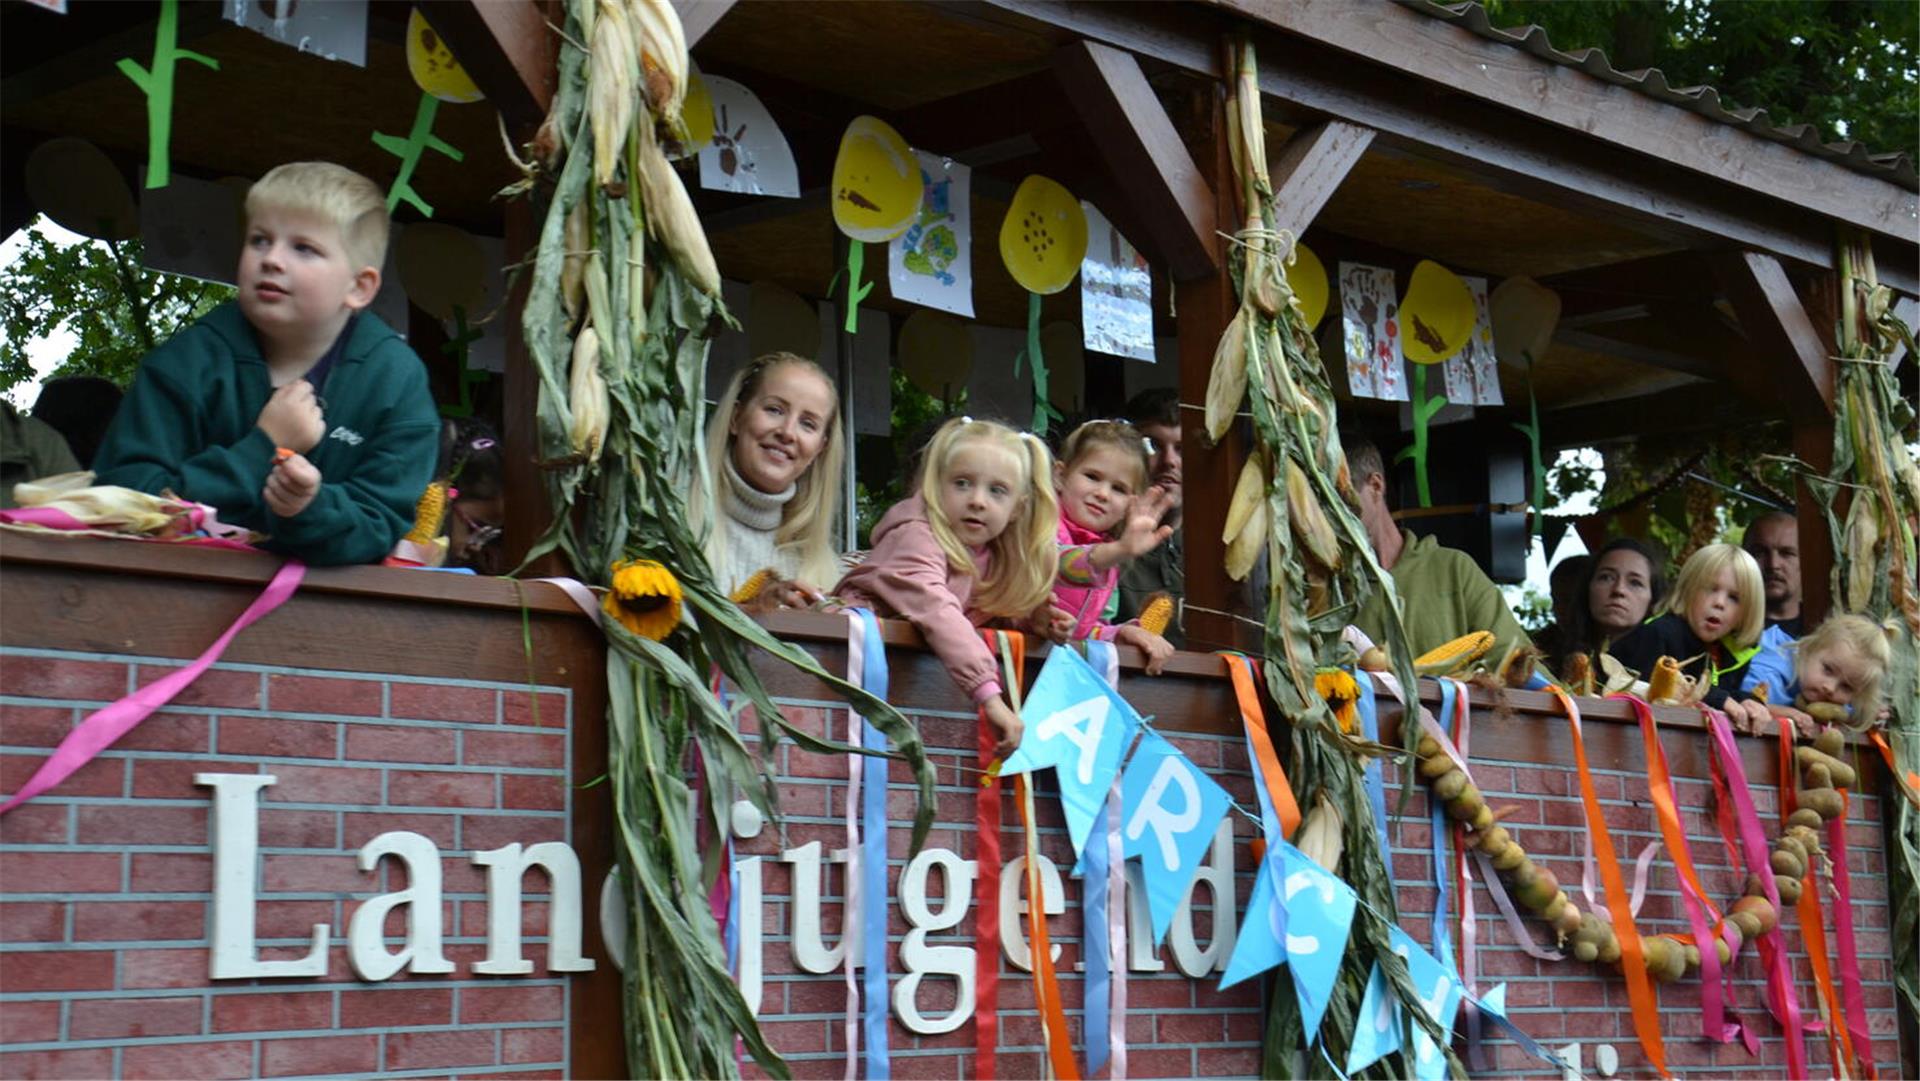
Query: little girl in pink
(1107, 516)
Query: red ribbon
(1849, 953)
(986, 909)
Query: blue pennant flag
(1439, 991)
(1319, 917)
(1079, 726)
(1172, 810)
(1376, 1031)
(1261, 943)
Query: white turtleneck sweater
(748, 520)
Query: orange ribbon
(1279, 789)
(1640, 992)
(1911, 789)
(1813, 931)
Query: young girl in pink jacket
(974, 543)
(1108, 516)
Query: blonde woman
(774, 452)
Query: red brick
(57, 970)
(522, 791)
(441, 702)
(324, 784)
(277, 737)
(1188, 1028)
(141, 824)
(51, 677)
(130, 1018)
(169, 731)
(482, 832)
(33, 921)
(926, 1067)
(529, 750)
(163, 872)
(533, 914)
(522, 1045)
(795, 1037)
(429, 1050)
(36, 824)
(323, 1055)
(265, 1013)
(398, 743)
(132, 921)
(313, 694)
(34, 726)
(221, 688)
(1148, 1062)
(80, 1063)
(397, 1008)
(147, 969)
(290, 873)
(291, 919)
(59, 872)
(420, 788)
(172, 778)
(28, 1022)
(482, 1005)
(516, 708)
(362, 827)
(284, 828)
(100, 777)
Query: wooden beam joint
(508, 50)
(1788, 347)
(1310, 168)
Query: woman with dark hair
(1626, 582)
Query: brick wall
(105, 882)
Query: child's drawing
(1116, 293)
(1369, 310)
(932, 262)
(1472, 375)
(748, 154)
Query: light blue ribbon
(1093, 909)
(873, 859)
(1436, 814)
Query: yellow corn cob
(1665, 685)
(1310, 523)
(1248, 493)
(1456, 654)
(429, 514)
(751, 588)
(1227, 383)
(1157, 614)
(611, 93)
(670, 216)
(587, 395)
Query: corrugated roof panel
(1704, 100)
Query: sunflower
(645, 598)
(1336, 685)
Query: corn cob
(751, 588)
(1309, 521)
(671, 219)
(1249, 492)
(1227, 383)
(573, 283)
(429, 514)
(1321, 834)
(610, 87)
(587, 395)
(1863, 536)
(1246, 545)
(1454, 655)
(1262, 285)
(1665, 685)
(1157, 613)
(661, 46)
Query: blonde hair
(1117, 434)
(1868, 642)
(1025, 554)
(1705, 565)
(806, 522)
(352, 204)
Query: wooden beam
(528, 511)
(1650, 355)
(1139, 143)
(507, 48)
(1310, 168)
(1795, 359)
(1453, 60)
(1697, 407)
(1813, 444)
(1512, 153)
(699, 16)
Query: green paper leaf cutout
(857, 290)
(156, 82)
(1423, 410)
(458, 347)
(409, 150)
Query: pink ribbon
(102, 728)
(1116, 914)
(1849, 956)
(850, 910)
(1753, 840)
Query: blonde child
(1108, 517)
(974, 543)
(1711, 626)
(1841, 662)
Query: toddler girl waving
(1108, 516)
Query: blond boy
(291, 410)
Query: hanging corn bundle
(623, 302)
(1295, 502)
(1877, 478)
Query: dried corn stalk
(618, 318)
(1321, 568)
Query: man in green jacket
(29, 449)
(290, 410)
(1443, 592)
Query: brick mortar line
(265, 1034)
(252, 989)
(275, 669)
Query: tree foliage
(1849, 69)
(100, 293)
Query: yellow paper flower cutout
(1044, 236)
(1307, 277)
(645, 598)
(876, 182)
(697, 111)
(1336, 685)
(433, 66)
(1436, 315)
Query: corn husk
(587, 396)
(661, 45)
(610, 87)
(1310, 525)
(1227, 383)
(1249, 492)
(671, 218)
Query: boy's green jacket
(187, 425)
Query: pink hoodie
(1078, 588)
(907, 575)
